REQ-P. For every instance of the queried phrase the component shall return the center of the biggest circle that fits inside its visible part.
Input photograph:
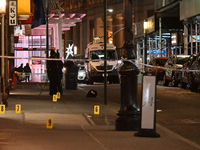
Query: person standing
(54, 72)
(59, 67)
(27, 71)
(20, 70)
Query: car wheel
(193, 86)
(157, 80)
(90, 81)
(183, 85)
(166, 82)
(174, 81)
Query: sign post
(148, 108)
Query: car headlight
(115, 66)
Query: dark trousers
(55, 86)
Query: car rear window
(160, 62)
(181, 60)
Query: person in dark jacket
(27, 71)
(20, 70)
(54, 71)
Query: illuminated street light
(2, 6)
(2, 12)
(145, 26)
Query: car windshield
(181, 60)
(160, 62)
(99, 54)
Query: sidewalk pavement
(74, 125)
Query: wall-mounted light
(75, 50)
(145, 25)
(110, 10)
(2, 6)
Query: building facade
(170, 30)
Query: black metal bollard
(129, 114)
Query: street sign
(12, 13)
(148, 108)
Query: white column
(99, 32)
(118, 38)
(185, 40)
(60, 39)
(57, 37)
(196, 41)
(160, 36)
(191, 40)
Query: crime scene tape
(164, 68)
(139, 65)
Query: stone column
(76, 36)
(118, 38)
(99, 27)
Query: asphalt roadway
(73, 126)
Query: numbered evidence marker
(43, 87)
(55, 98)
(2, 109)
(96, 109)
(58, 95)
(49, 124)
(18, 108)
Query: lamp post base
(127, 122)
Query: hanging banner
(12, 13)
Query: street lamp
(2, 12)
(128, 115)
(105, 52)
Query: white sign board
(148, 102)
(12, 13)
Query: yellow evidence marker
(55, 98)
(58, 95)
(96, 109)
(2, 109)
(49, 124)
(43, 87)
(18, 108)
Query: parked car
(186, 74)
(157, 67)
(81, 74)
(195, 74)
(172, 69)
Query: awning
(24, 9)
(67, 20)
